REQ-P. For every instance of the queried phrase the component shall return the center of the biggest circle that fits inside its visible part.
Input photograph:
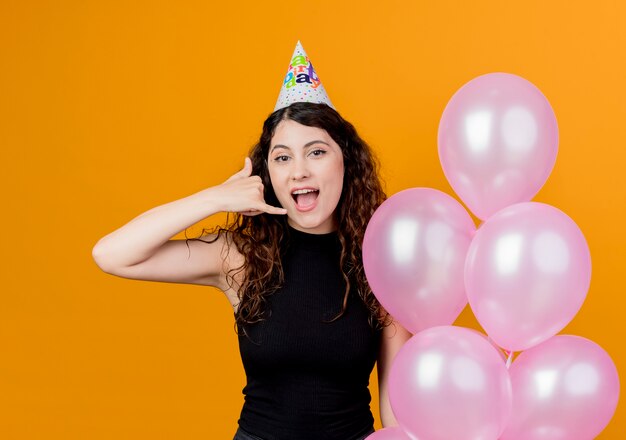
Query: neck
(324, 228)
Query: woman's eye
(282, 158)
(318, 152)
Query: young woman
(310, 329)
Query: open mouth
(305, 198)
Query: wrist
(209, 200)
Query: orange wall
(109, 108)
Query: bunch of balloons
(525, 273)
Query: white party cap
(301, 83)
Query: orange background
(109, 108)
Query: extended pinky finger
(274, 210)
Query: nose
(300, 170)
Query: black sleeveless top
(306, 378)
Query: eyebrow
(308, 144)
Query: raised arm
(143, 248)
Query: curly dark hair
(259, 238)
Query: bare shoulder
(232, 259)
(232, 272)
(223, 263)
(220, 251)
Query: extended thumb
(247, 167)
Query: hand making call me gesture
(243, 192)
(143, 249)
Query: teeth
(303, 191)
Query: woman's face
(306, 169)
